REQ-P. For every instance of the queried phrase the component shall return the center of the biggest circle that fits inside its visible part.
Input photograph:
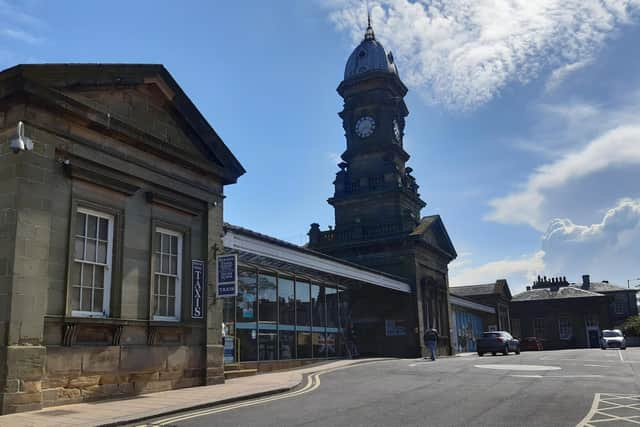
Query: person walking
(431, 340)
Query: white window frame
(106, 297)
(565, 331)
(178, 297)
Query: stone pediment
(140, 102)
(143, 106)
(431, 230)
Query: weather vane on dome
(368, 35)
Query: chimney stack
(586, 282)
(528, 288)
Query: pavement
(583, 388)
(133, 409)
(578, 388)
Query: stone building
(100, 226)
(565, 315)
(496, 295)
(377, 206)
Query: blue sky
(524, 125)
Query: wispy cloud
(334, 158)
(19, 29)
(561, 73)
(462, 53)
(22, 36)
(17, 14)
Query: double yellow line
(313, 382)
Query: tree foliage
(631, 326)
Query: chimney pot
(528, 288)
(586, 281)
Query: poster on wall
(197, 289)
(395, 328)
(229, 349)
(227, 283)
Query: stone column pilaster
(214, 349)
(421, 322)
(26, 283)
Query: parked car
(531, 343)
(613, 338)
(497, 342)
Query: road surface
(586, 387)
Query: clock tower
(377, 212)
(375, 194)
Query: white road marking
(556, 376)
(620, 354)
(526, 376)
(605, 406)
(507, 367)
(598, 366)
(586, 360)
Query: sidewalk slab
(136, 408)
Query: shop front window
(344, 316)
(268, 317)
(303, 320)
(229, 325)
(287, 318)
(246, 316)
(331, 302)
(318, 320)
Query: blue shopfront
(469, 320)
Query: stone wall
(87, 373)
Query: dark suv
(497, 342)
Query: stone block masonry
(77, 374)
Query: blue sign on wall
(197, 289)
(227, 285)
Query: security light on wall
(21, 142)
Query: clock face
(365, 126)
(396, 130)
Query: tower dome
(369, 56)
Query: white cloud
(608, 250)
(517, 271)
(617, 148)
(461, 53)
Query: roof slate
(484, 289)
(607, 287)
(285, 244)
(564, 292)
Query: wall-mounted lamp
(21, 142)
